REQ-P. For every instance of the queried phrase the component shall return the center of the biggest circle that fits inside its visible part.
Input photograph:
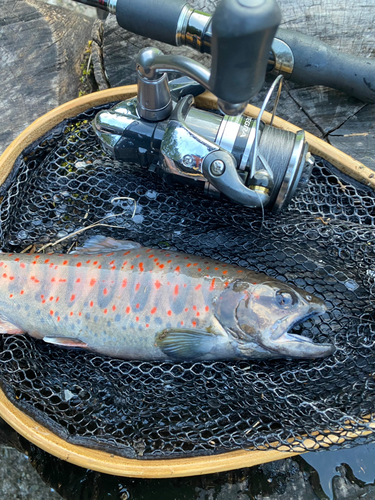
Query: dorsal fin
(102, 244)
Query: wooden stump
(40, 51)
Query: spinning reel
(229, 154)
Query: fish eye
(285, 299)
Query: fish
(124, 300)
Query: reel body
(209, 150)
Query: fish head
(260, 316)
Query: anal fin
(185, 345)
(66, 342)
(8, 327)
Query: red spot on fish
(99, 267)
(188, 265)
(161, 266)
(62, 280)
(186, 257)
(78, 280)
(226, 284)
(137, 306)
(22, 265)
(5, 275)
(169, 313)
(51, 298)
(88, 261)
(112, 262)
(79, 314)
(95, 263)
(12, 278)
(194, 308)
(127, 253)
(72, 298)
(71, 313)
(199, 269)
(212, 286)
(109, 254)
(225, 272)
(198, 287)
(124, 283)
(157, 284)
(34, 262)
(207, 268)
(53, 280)
(58, 318)
(137, 287)
(195, 264)
(177, 270)
(57, 299)
(239, 271)
(91, 303)
(198, 314)
(92, 281)
(1, 264)
(113, 268)
(65, 262)
(11, 295)
(147, 325)
(131, 267)
(127, 310)
(216, 268)
(46, 261)
(169, 261)
(44, 301)
(105, 311)
(155, 260)
(176, 290)
(185, 285)
(153, 310)
(150, 256)
(206, 309)
(51, 312)
(141, 267)
(16, 260)
(137, 256)
(137, 318)
(194, 323)
(52, 264)
(36, 256)
(113, 308)
(186, 309)
(182, 323)
(105, 291)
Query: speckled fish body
(150, 304)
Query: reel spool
(106, 462)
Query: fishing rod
(229, 155)
(299, 58)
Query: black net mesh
(323, 243)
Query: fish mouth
(283, 343)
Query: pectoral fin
(185, 344)
(102, 244)
(66, 342)
(298, 346)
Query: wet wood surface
(40, 51)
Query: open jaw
(287, 344)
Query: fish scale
(127, 301)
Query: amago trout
(123, 300)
